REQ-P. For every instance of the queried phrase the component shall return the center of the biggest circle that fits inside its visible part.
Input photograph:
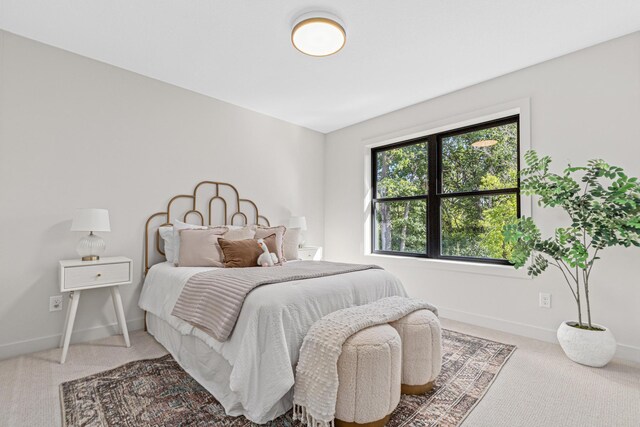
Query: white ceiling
(398, 52)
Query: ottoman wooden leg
(416, 389)
(379, 423)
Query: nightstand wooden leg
(117, 303)
(75, 298)
(115, 309)
(66, 321)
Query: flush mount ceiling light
(318, 34)
(484, 143)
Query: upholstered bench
(421, 337)
(369, 371)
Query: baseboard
(628, 352)
(52, 341)
(624, 351)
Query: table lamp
(91, 246)
(301, 223)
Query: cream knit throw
(316, 386)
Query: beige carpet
(537, 387)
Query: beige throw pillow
(242, 233)
(177, 226)
(199, 248)
(279, 231)
(231, 232)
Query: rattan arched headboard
(221, 192)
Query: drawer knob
(99, 275)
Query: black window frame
(434, 194)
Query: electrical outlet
(545, 300)
(55, 303)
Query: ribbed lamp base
(90, 247)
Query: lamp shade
(91, 220)
(298, 222)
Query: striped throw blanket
(212, 300)
(316, 388)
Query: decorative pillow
(290, 244)
(240, 233)
(179, 225)
(244, 253)
(200, 248)
(166, 233)
(240, 227)
(279, 231)
(235, 233)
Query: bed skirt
(208, 367)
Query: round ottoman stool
(421, 337)
(369, 370)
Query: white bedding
(263, 348)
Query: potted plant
(603, 209)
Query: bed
(252, 372)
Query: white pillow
(166, 233)
(290, 244)
(177, 226)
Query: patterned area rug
(157, 392)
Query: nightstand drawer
(310, 253)
(96, 275)
(306, 254)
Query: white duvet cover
(263, 348)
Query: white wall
(584, 105)
(78, 133)
(75, 133)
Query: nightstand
(310, 253)
(77, 276)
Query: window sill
(458, 266)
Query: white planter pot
(591, 348)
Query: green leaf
(602, 204)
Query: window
(448, 195)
